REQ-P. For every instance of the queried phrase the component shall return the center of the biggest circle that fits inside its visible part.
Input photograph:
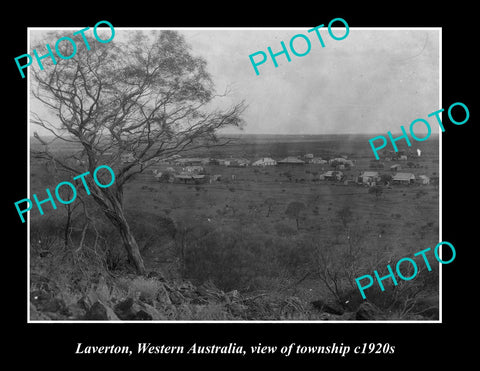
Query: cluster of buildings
(193, 169)
(192, 173)
(373, 177)
(339, 162)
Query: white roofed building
(265, 161)
(403, 178)
(317, 161)
(290, 160)
(368, 177)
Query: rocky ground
(153, 298)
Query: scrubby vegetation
(260, 247)
(203, 272)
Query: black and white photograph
(232, 184)
(195, 174)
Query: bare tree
(146, 97)
(52, 174)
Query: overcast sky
(371, 82)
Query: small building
(308, 156)
(238, 162)
(165, 176)
(290, 160)
(403, 158)
(423, 179)
(341, 161)
(403, 178)
(233, 162)
(194, 169)
(222, 162)
(206, 161)
(395, 167)
(265, 161)
(332, 175)
(317, 161)
(369, 177)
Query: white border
(28, 185)
(245, 322)
(440, 177)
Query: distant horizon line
(280, 134)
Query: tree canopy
(145, 96)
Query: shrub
(293, 211)
(294, 257)
(420, 193)
(338, 268)
(114, 259)
(376, 190)
(146, 289)
(231, 258)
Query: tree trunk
(67, 227)
(131, 245)
(183, 267)
(116, 215)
